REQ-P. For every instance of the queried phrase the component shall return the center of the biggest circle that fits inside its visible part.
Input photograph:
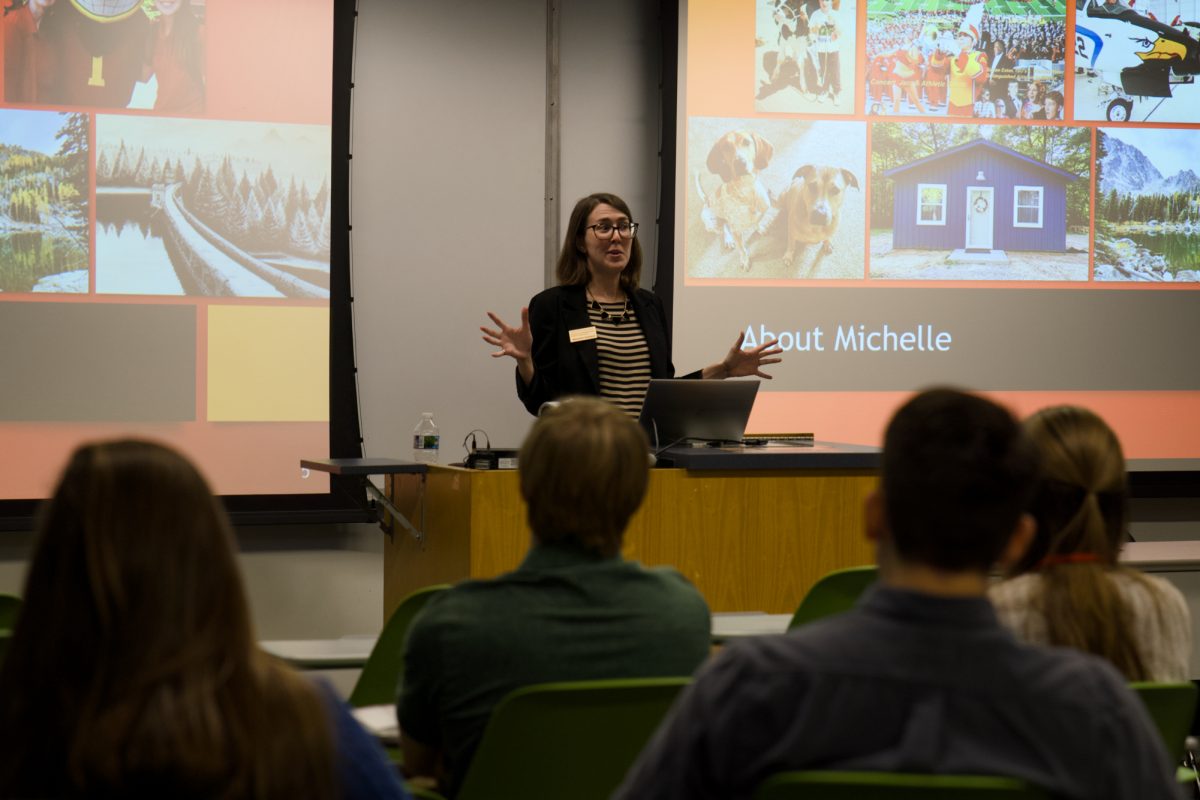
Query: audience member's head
(583, 472)
(1080, 504)
(956, 479)
(133, 667)
(1081, 513)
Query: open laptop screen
(681, 408)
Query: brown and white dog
(812, 205)
(740, 207)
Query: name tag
(582, 334)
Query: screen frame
(1148, 478)
(346, 499)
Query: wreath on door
(981, 205)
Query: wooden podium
(752, 530)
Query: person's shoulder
(1153, 591)
(767, 669)
(1068, 679)
(648, 299)
(461, 602)
(670, 581)
(553, 298)
(555, 293)
(647, 296)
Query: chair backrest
(575, 739)
(834, 593)
(1172, 706)
(828, 785)
(9, 606)
(381, 674)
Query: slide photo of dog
(804, 56)
(775, 199)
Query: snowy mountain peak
(1126, 169)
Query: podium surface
(751, 528)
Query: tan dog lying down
(812, 205)
(740, 207)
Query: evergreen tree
(73, 148)
(300, 239)
(274, 226)
(103, 168)
(226, 180)
(292, 204)
(118, 166)
(207, 203)
(254, 220)
(268, 184)
(322, 196)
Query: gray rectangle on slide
(102, 362)
(999, 339)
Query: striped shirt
(624, 356)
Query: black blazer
(562, 368)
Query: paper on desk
(380, 721)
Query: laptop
(683, 408)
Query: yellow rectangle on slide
(268, 364)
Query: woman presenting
(597, 332)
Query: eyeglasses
(625, 229)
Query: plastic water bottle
(426, 439)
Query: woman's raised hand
(739, 362)
(513, 342)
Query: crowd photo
(923, 59)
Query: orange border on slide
(280, 72)
(237, 458)
(1150, 424)
(720, 84)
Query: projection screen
(166, 235)
(998, 195)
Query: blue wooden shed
(980, 196)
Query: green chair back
(573, 740)
(1172, 706)
(9, 606)
(825, 785)
(834, 593)
(380, 676)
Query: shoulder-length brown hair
(1081, 508)
(133, 668)
(572, 259)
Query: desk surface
(351, 652)
(1162, 556)
(818, 455)
(364, 466)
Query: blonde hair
(133, 667)
(583, 472)
(1081, 513)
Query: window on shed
(931, 204)
(1027, 206)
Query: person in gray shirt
(920, 676)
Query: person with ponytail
(1070, 589)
